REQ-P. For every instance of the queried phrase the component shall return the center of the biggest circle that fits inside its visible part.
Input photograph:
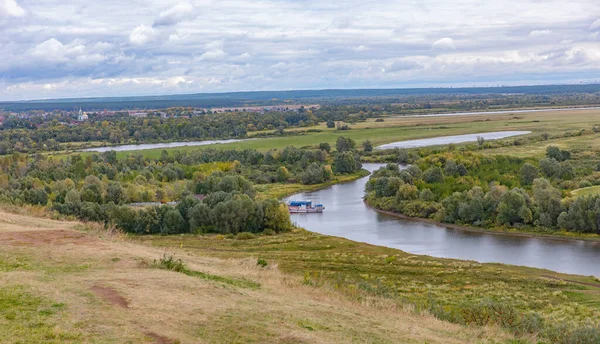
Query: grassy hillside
(70, 282)
(65, 282)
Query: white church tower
(82, 116)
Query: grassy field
(360, 272)
(591, 190)
(65, 282)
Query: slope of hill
(72, 282)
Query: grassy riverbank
(70, 279)
(282, 190)
(444, 287)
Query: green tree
(114, 193)
(313, 174)
(200, 216)
(346, 162)
(407, 192)
(550, 167)
(282, 174)
(276, 216)
(36, 196)
(514, 208)
(173, 223)
(553, 152)
(528, 173)
(367, 146)
(433, 175)
(325, 146)
(547, 200)
(344, 144)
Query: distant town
(81, 115)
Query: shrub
(245, 236)
(170, 263)
(433, 175)
(262, 263)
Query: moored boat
(304, 207)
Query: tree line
(490, 191)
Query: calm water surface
(444, 140)
(347, 216)
(158, 145)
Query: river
(444, 140)
(158, 145)
(347, 216)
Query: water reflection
(347, 216)
(444, 140)
(159, 145)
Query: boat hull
(304, 211)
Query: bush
(325, 146)
(433, 175)
(169, 263)
(245, 236)
(262, 263)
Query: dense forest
(488, 191)
(213, 189)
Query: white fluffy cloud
(180, 12)
(113, 47)
(10, 8)
(141, 35)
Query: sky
(65, 48)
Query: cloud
(214, 51)
(180, 12)
(445, 43)
(360, 48)
(50, 50)
(10, 8)
(539, 33)
(141, 35)
(100, 48)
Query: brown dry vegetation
(68, 282)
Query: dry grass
(90, 286)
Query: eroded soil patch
(45, 237)
(111, 296)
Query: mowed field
(400, 128)
(65, 282)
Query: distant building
(138, 114)
(82, 116)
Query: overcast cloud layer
(69, 48)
